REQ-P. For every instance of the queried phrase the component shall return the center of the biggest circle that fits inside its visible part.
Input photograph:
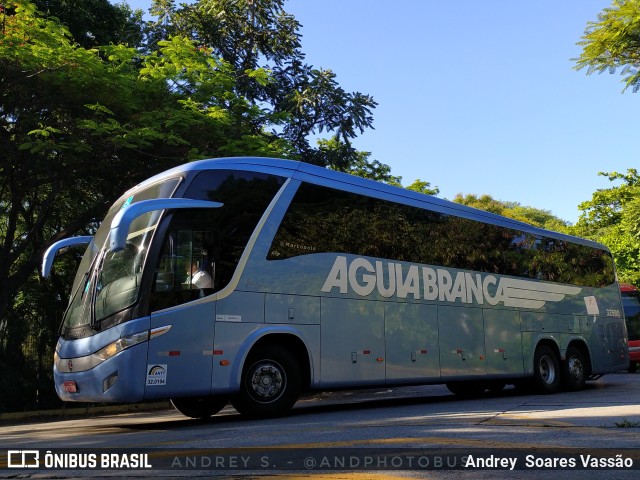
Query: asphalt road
(327, 432)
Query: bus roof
(323, 176)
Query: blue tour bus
(318, 280)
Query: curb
(89, 411)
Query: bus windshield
(198, 256)
(112, 279)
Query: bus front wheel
(199, 407)
(546, 370)
(271, 383)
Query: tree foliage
(421, 186)
(533, 216)
(612, 217)
(92, 23)
(80, 126)
(612, 43)
(260, 34)
(94, 99)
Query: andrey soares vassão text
(584, 461)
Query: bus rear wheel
(574, 369)
(199, 407)
(546, 370)
(271, 383)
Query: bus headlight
(81, 364)
(121, 344)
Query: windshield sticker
(127, 202)
(156, 375)
(392, 279)
(592, 305)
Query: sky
(478, 97)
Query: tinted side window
(202, 248)
(321, 219)
(246, 196)
(631, 306)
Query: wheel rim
(547, 369)
(576, 370)
(267, 381)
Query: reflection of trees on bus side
(324, 220)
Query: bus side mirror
(125, 217)
(50, 254)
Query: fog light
(109, 382)
(70, 386)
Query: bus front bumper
(120, 378)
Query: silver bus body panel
(412, 342)
(185, 353)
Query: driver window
(185, 270)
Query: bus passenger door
(352, 342)
(411, 337)
(183, 356)
(180, 354)
(462, 349)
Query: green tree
(533, 216)
(613, 42)
(96, 22)
(361, 166)
(254, 34)
(80, 122)
(78, 127)
(612, 217)
(421, 186)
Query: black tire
(199, 407)
(467, 389)
(633, 367)
(271, 383)
(574, 370)
(546, 370)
